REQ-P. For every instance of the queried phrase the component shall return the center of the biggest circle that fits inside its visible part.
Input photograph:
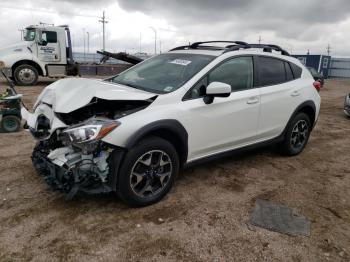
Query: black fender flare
(172, 125)
(308, 103)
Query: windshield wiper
(126, 84)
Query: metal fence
(339, 68)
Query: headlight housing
(90, 130)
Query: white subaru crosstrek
(132, 133)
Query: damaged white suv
(133, 132)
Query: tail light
(317, 85)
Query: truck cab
(45, 51)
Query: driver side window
(237, 72)
(49, 36)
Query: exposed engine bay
(69, 169)
(73, 159)
(69, 154)
(103, 108)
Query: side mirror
(43, 43)
(216, 89)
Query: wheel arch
(28, 62)
(170, 130)
(307, 107)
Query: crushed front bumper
(69, 179)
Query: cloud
(276, 15)
(297, 25)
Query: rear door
(280, 94)
(228, 122)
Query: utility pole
(88, 42)
(22, 33)
(140, 43)
(160, 46)
(103, 21)
(84, 44)
(329, 49)
(259, 39)
(155, 39)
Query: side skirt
(235, 151)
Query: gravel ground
(204, 218)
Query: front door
(51, 51)
(227, 123)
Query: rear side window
(271, 71)
(296, 70)
(289, 73)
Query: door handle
(253, 100)
(295, 93)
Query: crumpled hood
(70, 94)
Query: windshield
(29, 34)
(163, 73)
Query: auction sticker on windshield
(180, 62)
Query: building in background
(340, 68)
(321, 63)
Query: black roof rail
(265, 47)
(183, 47)
(197, 44)
(234, 46)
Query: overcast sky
(296, 25)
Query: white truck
(45, 51)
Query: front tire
(147, 172)
(297, 135)
(26, 75)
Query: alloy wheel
(299, 135)
(151, 173)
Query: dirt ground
(204, 218)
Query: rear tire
(147, 172)
(26, 75)
(297, 135)
(10, 124)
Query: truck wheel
(147, 172)
(26, 75)
(10, 124)
(297, 135)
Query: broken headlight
(90, 130)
